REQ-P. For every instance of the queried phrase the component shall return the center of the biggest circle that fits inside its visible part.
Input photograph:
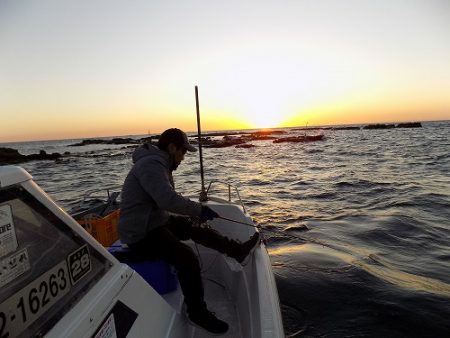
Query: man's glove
(207, 214)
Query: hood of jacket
(157, 154)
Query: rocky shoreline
(12, 156)
(116, 140)
(238, 139)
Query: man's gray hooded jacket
(148, 195)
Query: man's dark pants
(165, 243)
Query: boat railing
(230, 188)
(109, 191)
(96, 201)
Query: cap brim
(189, 147)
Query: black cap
(177, 137)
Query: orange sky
(84, 69)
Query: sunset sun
(264, 119)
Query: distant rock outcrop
(103, 141)
(226, 141)
(391, 126)
(12, 156)
(229, 139)
(245, 145)
(379, 126)
(409, 125)
(301, 138)
(346, 128)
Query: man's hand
(207, 214)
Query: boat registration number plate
(27, 305)
(24, 307)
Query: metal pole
(203, 196)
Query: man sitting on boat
(151, 230)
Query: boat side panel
(150, 315)
(270, 313)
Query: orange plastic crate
(103, 229)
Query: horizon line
(222, 130)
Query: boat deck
(219, 302)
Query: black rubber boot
(214, 240)
(246, 248)
(208, 321)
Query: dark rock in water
(301, 227)
(245, 145)
(9, 155)
(409, 125)
(230, 139)
(302, 138)
(226, 141)
(103, 141)
(244, 135)
(257, 137)
(267, 132)
(391, 126)
(241, 141)
(123, 141)
(346, 128)
(87, 142)
(43, 156)
(12, 156)
(379, 126)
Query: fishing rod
(275, 231)
(203, 196)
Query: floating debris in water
(301, 227)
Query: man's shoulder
(151, 162)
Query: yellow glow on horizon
(264, 114)
(287, 64)
(265, 121)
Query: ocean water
(359, 222)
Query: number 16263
(24, 307)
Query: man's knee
(184, 258)
(181, 227)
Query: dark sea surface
(359, 222)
